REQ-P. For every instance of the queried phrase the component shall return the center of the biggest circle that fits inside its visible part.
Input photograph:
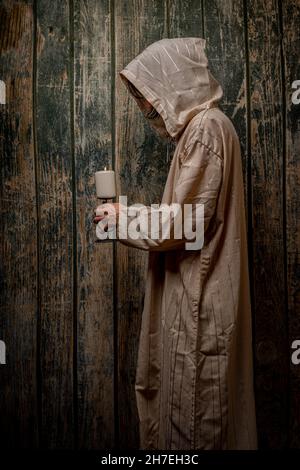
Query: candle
(105, 184)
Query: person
(194, 378)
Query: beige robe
(194, 382)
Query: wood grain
(268, 231)
(184, 19)
(70, 310)
(142, 170)
(93, 151)
(291, 48)
(226, 51)
(18, 232)
(55, 226)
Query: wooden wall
(70, 309)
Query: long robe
(194, 378)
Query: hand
(110, 210)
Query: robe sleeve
(199, 182)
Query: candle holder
(106, 192)
(105, 200)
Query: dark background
(71, 309)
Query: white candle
(105, 184)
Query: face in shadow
(153, 117)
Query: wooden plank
(93, 151)
(226, 52)
(291, 48)
(268, 230)
(56, 229)
(18, 233)
(142, 170)
(222, 25)
(184, 19)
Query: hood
(174, 76)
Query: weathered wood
(55, 226)
(93, 151)
(222, 25)
(268, 231)
(60, 374)
(18, 279)
(184, 19)
(226, 51)
(142, 169)
(291, 48)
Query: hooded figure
(194, 383)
